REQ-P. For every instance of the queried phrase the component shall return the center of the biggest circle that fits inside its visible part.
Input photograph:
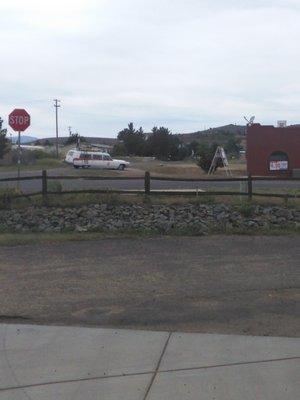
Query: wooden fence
(147, 178)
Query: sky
(187, 65)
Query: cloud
(182, 64)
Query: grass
(43, 163)
(185, 169)
(9, 239)
(80, 199)
(16, 239)
(172, 169)
(246, 209)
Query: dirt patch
(242, 285)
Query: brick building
(273, 151)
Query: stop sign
(19, 120)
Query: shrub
(205, 155)
(41, 154)
(246, 209)
(7, 195)
(31, 156)
(111, 198)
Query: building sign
(278, 165)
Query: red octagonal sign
(19, 120)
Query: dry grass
(183, 169)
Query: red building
(273, 151)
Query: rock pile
(187, 218)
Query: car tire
(75, 166)
(121, 167)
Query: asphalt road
(222, 284)
(36, 185)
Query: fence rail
(147, 178)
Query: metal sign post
(19, 158)
(19, 120)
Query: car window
(107, 158)
(97, 157)
(85, 156)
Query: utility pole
(56, 105)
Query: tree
(119, 150)
(47, 142)
(3, 140)
(233, 146)
(75, 138)
(205, 155)
(134, 140)
(192, 147)
(165, 146)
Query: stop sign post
(19, 120)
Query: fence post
(147, 182)
(249, 187)
(44, 187)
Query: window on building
(278, 161)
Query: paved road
(31, 186)
(223, 284)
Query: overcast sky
(184, 64)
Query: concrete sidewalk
(66, 363)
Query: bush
(7, 195)
(40, 154)
(4, 145)
(246, 210)
(205, 155)
(31, 156)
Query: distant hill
(214, 134)
(24, 139)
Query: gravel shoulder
(220, 284)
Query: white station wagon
(94, 159)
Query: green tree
(119, 150)
(74, 138)
(165, 146)
(205, 155)
(4, 148)
(134, 140)
(192, 147)
(233, 146)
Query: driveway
(219, 284)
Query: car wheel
(121, 167)
(75, 166)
